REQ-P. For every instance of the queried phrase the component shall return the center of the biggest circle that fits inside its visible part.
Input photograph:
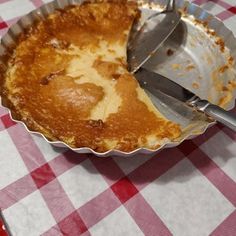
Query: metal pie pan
(192, 56)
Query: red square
(43, 175)
(232, 9)
(220, 126)
(72, 225)
(124, 189)
(2, 229)
(3, 25)
(187, 147)
(7, 121)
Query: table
(189, 190)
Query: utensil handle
(224, 117)
(170, 5)
(216, 112)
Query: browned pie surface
(68, 80)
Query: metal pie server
(153, 81)
(155, 30)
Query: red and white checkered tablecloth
(189, 190)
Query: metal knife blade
(150, 38)
(153, 81)
(149, 80)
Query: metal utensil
(155, 30)
(153, 81)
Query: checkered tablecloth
(189, 190)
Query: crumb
(189, 67)
(223, 68)
(169, 52)
(232, 83)
(176, 66)
(203, 23)
(224, 100)
(195, 85)
(230, 60)
(211, 32)
(225, 89)
(220, 43)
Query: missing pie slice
(68, 79)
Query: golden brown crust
(59, 105)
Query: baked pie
(68, 79)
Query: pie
(68, 79)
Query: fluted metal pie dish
(199, 55)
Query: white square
(12, 165)
(30, 216)
(3, 110)
(221, 149)
(230, 23)
(48, 151)
(46, 1)
(212, 7)
(230, 2)
(15, 8)
(187, 202)
(82, 183)
(118, 223)
(129, 164)
(2, 127)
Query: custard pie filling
(68, 80)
